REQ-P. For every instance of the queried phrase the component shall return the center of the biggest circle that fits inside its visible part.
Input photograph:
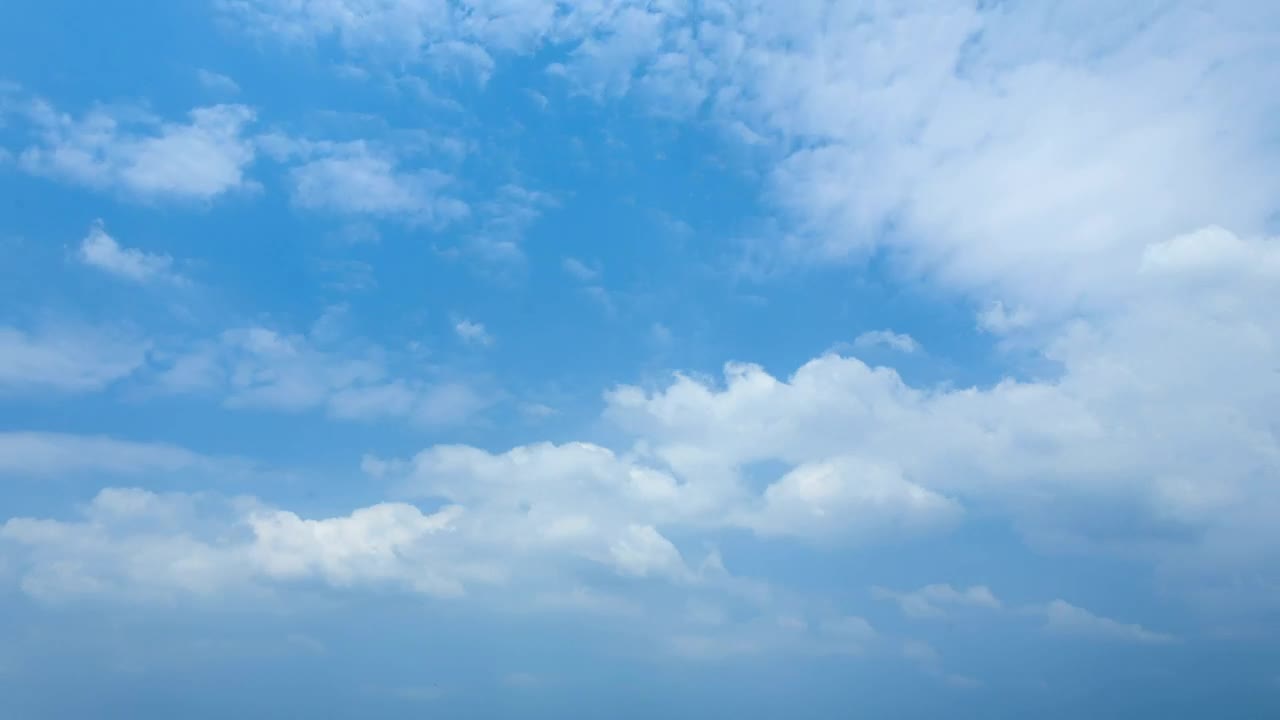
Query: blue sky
(532, 358)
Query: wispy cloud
(1063, 617)
(900, 342)
(936, 600)
(67, 358)
(217, 82)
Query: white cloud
(67, 359)
(996, 318)
(472, 332)
(357, 179)
(976, 149)
(100, 250)
(887, 338)
(933, 601)
(1153, 438)
(381, 543)
(1063, 617)
(846, 496)
(260, 368)
(968, 157)
(217, 82)
(142, 156)
(135, 543)
(642, 551)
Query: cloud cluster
(355, 178)
(260, 368)
(142, 156)
(1009, 152)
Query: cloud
(969, 162)
(101, 251)
(580, 270)
(900, 342)
(1124, 449)
(67, 358)
(472, 332)
(933, 601)
(505, 219)
(1063, 617)
(144, 157)
(846, 496)
(357, 179)
(142, 545)
(261, 368)
(55, 454)
(217, 82)
(920, 153)
(996, 318)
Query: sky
(639, 358)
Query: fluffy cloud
(973, 148)
(1155, 437)
(472, 332)
(142, 156)
(361, 178)
(101, 251)
(358, 182)
(67, 358)
(139, 544)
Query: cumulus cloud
(996, 318)
(135, 543)
(101, 251)
(1155, 438)
(142, 156)
(1063, 617)
(847, 496)
(1127, 447)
